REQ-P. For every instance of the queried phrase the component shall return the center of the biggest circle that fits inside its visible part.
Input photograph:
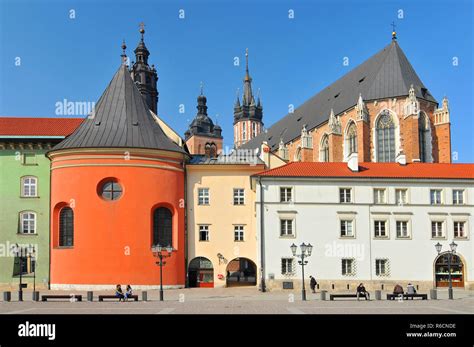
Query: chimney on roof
(265, 153)
(401, 158)
(353, 162)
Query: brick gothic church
(380, 110)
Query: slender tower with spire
(248, 114)
(144, 75)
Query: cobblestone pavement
(240, 301)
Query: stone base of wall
(85, 287)
(351, 285)
(13, 287)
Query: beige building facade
(221, 224)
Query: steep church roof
(120, 119)
(386, 74)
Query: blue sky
(290, 59)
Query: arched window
(324, 149)
(162, 227)
(212, 150)
(254, 129)
(423, 133)
(351, 138)
(29, 186)
(207, 150)
(244, 131)
(28, 222)
(66, 227)
(385, 130)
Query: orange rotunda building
(117, 189)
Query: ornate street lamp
(452, 252)
(306, 251)
(162, 253)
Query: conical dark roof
(386, 74)
(121, 119)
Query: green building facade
(24, 211)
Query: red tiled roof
(32, 126)
(373, 170)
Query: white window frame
(387, 229)
(408, 229)
(239, 233)
(291, 263)
(434, 203)
(443, 229)
(26, 216)
(347, 221)
(27, 186)
(376, 193)
(465, 229)
(238, 196)
(293, 231)
(202, 199)
(351, 198)
(397, 195)
(203, 227)
(345, 267)
(378, 268)
(456, 197)
(286, 200)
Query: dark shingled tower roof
(387, 74)
(121, 119)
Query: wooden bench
(102, 297)
(407, 296)
(68, 297)
(332, 296)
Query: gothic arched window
(324, 149)
(162, 227)
(207, 150)
(212, 150)
(352, 138)
(423, 132)
(66, 227)
(385, 130)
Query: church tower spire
(248, 114)
(144, 76)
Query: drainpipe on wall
(262, 239)
(186, 248)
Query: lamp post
(306, 251)
(19, 255)
(452, 252)
(33, 261)
(162, 253)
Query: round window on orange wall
(110, 189)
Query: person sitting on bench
(411, 289)
(362, 292)
(128, 292)
(119, 292)
(398, 289)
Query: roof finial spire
(142, 29)
(202, 88)
(247, 76)
(394, 33)
(124, 55)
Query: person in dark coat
(362, 292)
(312, 284)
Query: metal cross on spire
(394, 33)
(142, 29)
